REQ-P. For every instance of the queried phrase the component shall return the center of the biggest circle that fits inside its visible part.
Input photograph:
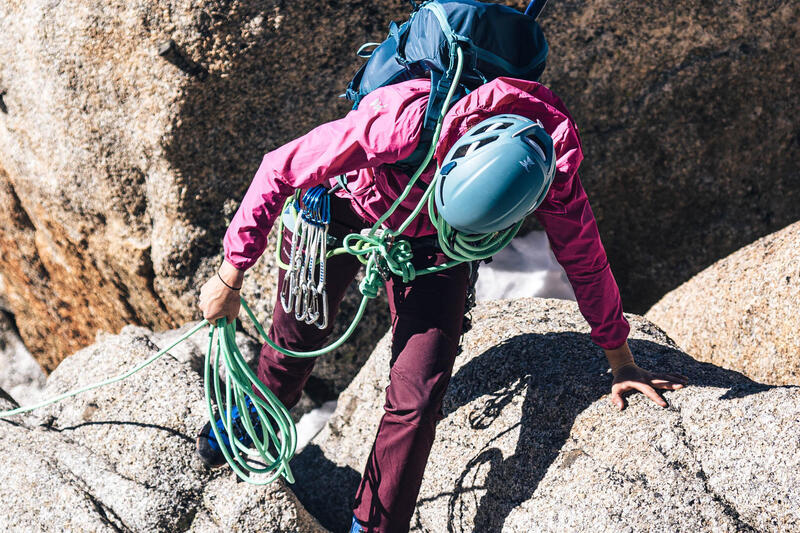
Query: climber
(427, 312)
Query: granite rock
(123, 157)
(741, 312)
(689, 120)
(121, 458)
(530, 441)
(120, 166)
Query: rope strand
(383, 251)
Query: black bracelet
(224, 283)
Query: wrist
(230, 276)
(619, 358)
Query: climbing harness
(382, 250)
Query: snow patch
(524, 268)
(312, 423)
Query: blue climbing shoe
(356, 527)
(210, 450)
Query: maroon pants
(427, 315)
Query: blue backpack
(496, 40)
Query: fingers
(616, 398)
(668, 381)
(619, 390)
(675, 377)
(217, 301)
(650, 392)
(666, 384)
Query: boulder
(741, 312)
(530, 441)
(122, 457)
(129, 131)
(689, 118)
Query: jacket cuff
(612, 335)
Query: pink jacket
(385, 129)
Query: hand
(217, 300)
(631, 378)
(628, 377)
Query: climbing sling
(380, 249)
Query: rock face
(120, 167)
(530, 442)
(688, 117)
(741, 312)
(121, 458)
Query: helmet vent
(484, 142)
(441, 188)
(461, 152)
(470, 148)
(537, 145)
(492, 127)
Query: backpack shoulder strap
(440, 86)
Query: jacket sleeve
(572, 231)
(366, 137)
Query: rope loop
(372, 281)
(398, 260)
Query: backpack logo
(376, 105)
(527, 163)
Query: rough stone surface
(741, 312)
(530, 441)
(229, 505)
(20, 374)
(119, 170)
(121, 458)
(689, 119)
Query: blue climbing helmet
(495, 175)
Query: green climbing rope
(277, 440)
(382, 250)
(109, 381)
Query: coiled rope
(274, 434)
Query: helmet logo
(527, 163)
(447, 168)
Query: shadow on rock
(510, 412)
(142, 425)
(315, 474)
(555, 390)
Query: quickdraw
(303, 291)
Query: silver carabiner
(324, 312)
(312, 305)
(290, 279)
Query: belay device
(460, 44)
